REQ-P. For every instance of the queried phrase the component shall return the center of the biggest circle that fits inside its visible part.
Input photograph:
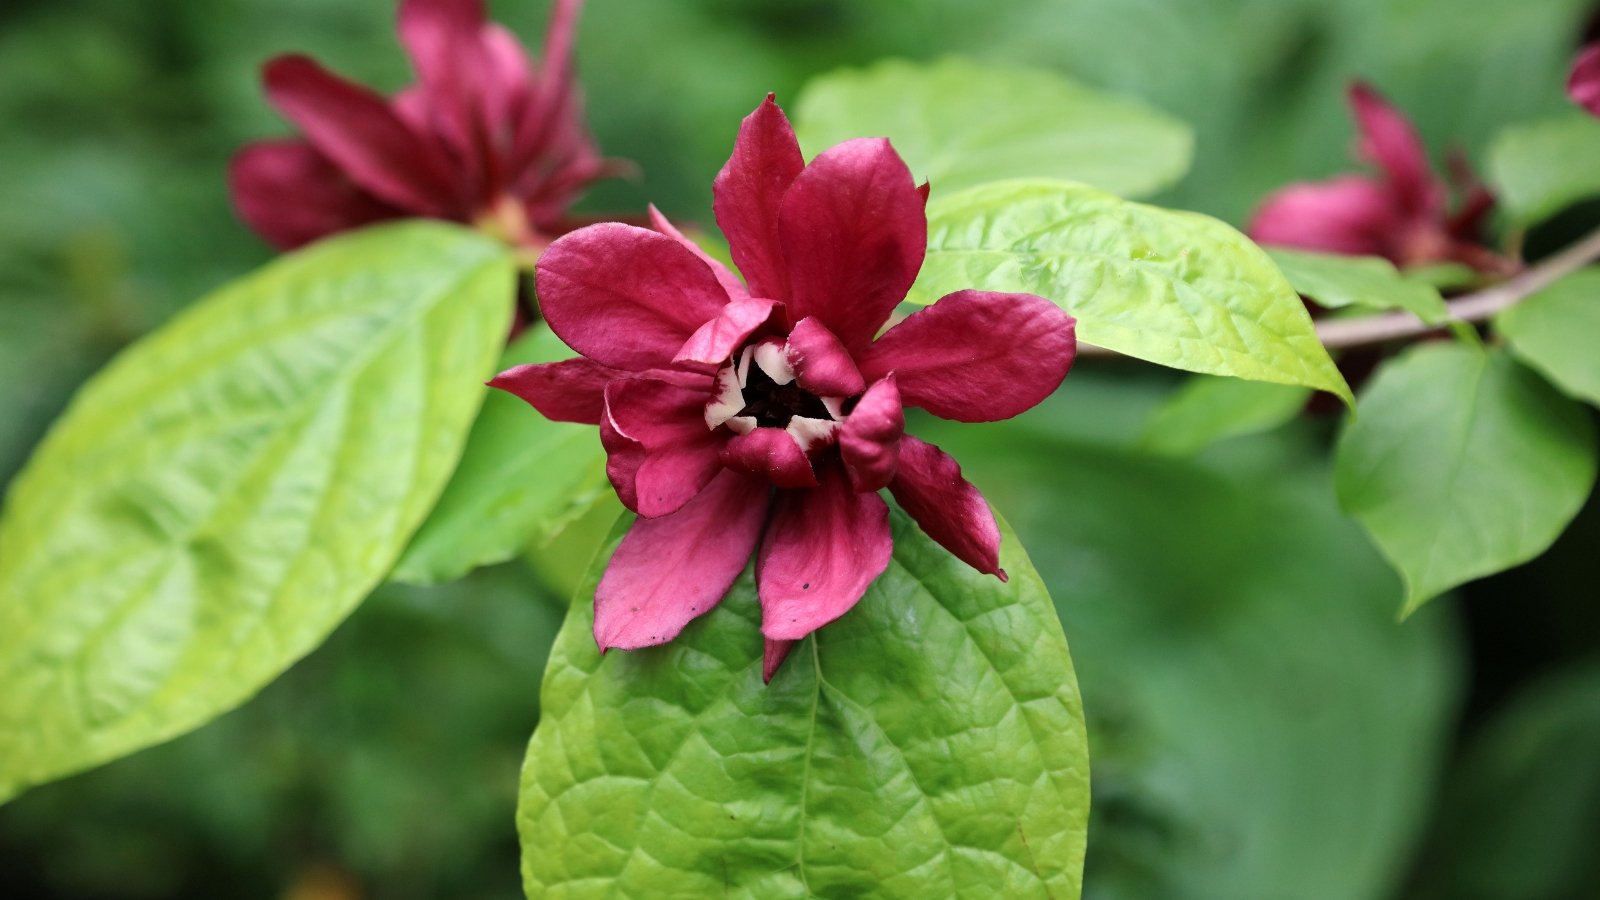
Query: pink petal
(730, 282)
(821, 363)
(976, 356)
(291, 195)
(853, 233)
(1389, 141)
(659, 452)
(715, 341)
(624, 296)
(929, 487)
(770, 454)
(361, 134)
(572, 390)
(822, 549)
(1350, 215)
(552, 118)
(869, 441)
(432, 30)
(1583, 86)
(748, 194)
(670, 570)
(773, 653)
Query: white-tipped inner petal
(809, 433)
(728, 399)
(834, 406)
(742, 424)
(772, 360)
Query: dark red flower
(481, 138)
(1583, 86)
(771, 415)
(1401, 214)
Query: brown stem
(1474, 307)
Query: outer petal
(624, 296)
(659, 451)
(977, 356)
(432, 29)
(854, 233)
(869, 440)
(1583, 86)
(572, 390)
(748, 194)
(669, 570)
(821, 363)
(729, 281)
(773, 653)
(1350, 215)
(552, 118)
(715, 341)
(1389, 141)
(929, 487)
(291, 195)
(358, 131)
(770, 454)
(822, 549)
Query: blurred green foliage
(1258, 732)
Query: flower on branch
(1583, 85)
(1402, 212)
(482, 137)
(768, 413)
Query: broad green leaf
(1444, 276)
(521, 479)
(1542, 168)
(1557, 331)
(1235, 643)
(1461, 463)
(1365, 281)
(216, 500)
(1175, 288)
(928, 744)
(1208, 409)
(561, 558)
(959, 124)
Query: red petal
(291, 195)
(551, 124)
(822, 549)
(869, 441)
(770, 454)
(659, 451)
(572, 390)
(1350, 215)
(821, 363)
(773, 653)
(669, 570)
(715, 341)
(854, 233)
(1389, 141)
(1583, 86)
(729, 281)
(929, 487)
(432, 29)
(359, 132)
(625, 297)
(976, 356)
(748, 194)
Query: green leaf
(1461, 463)
(1175, 288)
(522, 478)
(1365, 281)
(960, 124)
(219, 498)
(561, 558)
(1208, 409)
(1557, 331)
(1540, 169)
(928, 744)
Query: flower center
(772, 405)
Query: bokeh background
(1261, 726)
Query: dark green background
(1261, 725)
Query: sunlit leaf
(218, 499)
(928, 744)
